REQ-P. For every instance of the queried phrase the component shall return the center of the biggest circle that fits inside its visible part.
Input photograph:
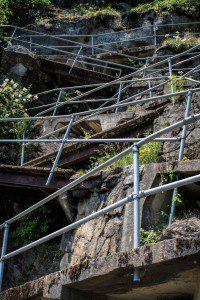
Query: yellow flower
(185, 158)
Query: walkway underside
(167, 268)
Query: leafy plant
(168, 176)
(22, 11)
(4, 11)
(188, 7)
(175, 85)
(42, 21)
(178, 200)
(13, 99)
(148, 154)
(180, 44)
(88, 10)
(135, 63)
(31, 227)
(70, 108)
(87, 133)
(149, 236)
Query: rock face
(37, 262)
(110, 277)
(172, 114)
(100, 236)
(182, 228)
(112, 232)
(109, 234)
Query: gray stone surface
(182, 228)
(108, 234)
(173, 114)
(112, 275)
(102, 236)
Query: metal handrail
(117, 32)
(185, 121)
(138, 143)
(116, 81)
(83, 56)
(133, 197)
(127, 30)
(77, 43)
(141, 101)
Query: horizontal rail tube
(72, 102)
(87, 140)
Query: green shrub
(32, 227)
(149, 236)
(26, 11)
(88, 11)
(180, 44)
(188, 7)
(4, 11)
(13, 99)
(135, 63)
(148, 154)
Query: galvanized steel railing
(124, 83)
(137, 194)
(70, 43)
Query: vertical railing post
(57, 102)
(76, 59)
(146, 65)
(13, 34)
(60, 151)
(119, 96)
(30, 45)
(3, 252)
(150, 91)
(136, 241)
(154, 35)
(180, 155)
(24, 144)
(170, 75)
(92, 42)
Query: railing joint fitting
(142, 194)
(190, 93)
(135, 148)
